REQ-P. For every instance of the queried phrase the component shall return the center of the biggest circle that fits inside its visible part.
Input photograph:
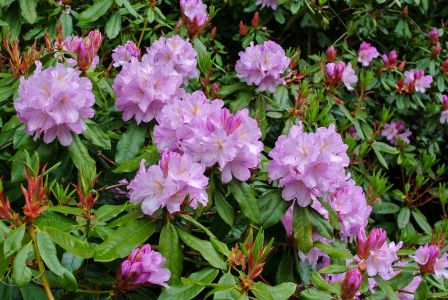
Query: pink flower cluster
(195, 11)
(375, 254)
(350, 203)
(267, 3)
(308, 165)
(340, 72)
(367, 53)
(416, 80)
(143, 88)
(142, 267)
(122, 54)
(173, 180)
(444, 114)
(263, 65)
(427, 258)
(175, 52)
(53, 103)
(394, 130)
(208, 132)
(85, 49)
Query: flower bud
(375, 240)
(405, 12)
(444, 102)
(434, 36)
(436, 50)
(444, 66)
(331, 54)
(213, 32)
(350, 286)
(243, 29)
(255, 19)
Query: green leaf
(333, 269)
(385, 208)
(333, 252)
(169, 247)
(70, 243)
(67, 24)
(14, 241)
(21, 274)
(315, 294)
(224, 209)
(130, 142)
(403, 217)
(205, 248)
(95, 11)
(319, 282)
(81, 158)
(71, 262)
(48, 253)
(33, 292)
(96, 135)
(421, 221)
(113, 26)
(422, 291)
(229, 292)
(386, 288)
(354, 121)
(125, 239)
(66, 210)
(272, 208)
(28, 10)
(149, 154)
(285, 270)
(245, 196)
(107, 212)
(278, 292)
(321, 225)
(189, 291)
(53, 219)
(302, 228)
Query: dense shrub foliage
(237, 149)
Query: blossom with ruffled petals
(143, 88)
(142, 267)
(53, 103)
(169, 183)
(175, 52)
(122, 54)
(263, 65)
(381, 259)
(416, 80)
(308, 165)
(267, 3)
(367, 53)
(394, 130)
(210, 134)
(427, 258)
(340, 72)
(195, 11)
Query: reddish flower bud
(405, 12)
(444, 66)
(243, 29)
(213, 32)
(35, 195)
(434, 36)
(375, 240)
(6, 212)
(331, 54)
(436, 50)
(255, 19)
(350, 286)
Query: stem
(40, 264)
(94, 292)
(143, 32)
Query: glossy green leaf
(81, 157)
(96, 135)
(95, 11)
(386, 288)
(70, 243)
(421, 221)
(169, 247)
(113, 26)
(282, 291)
(130, 142)
(333, 252)
(225, 210)
(302, 228)
(21, 274)
(28, 10)
(48, 253)
(272, 208)
(245, 196)
(14, 241)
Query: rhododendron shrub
(198, 149)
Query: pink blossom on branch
(416, 80)
(53, 103)
(195, 11)
(394, 130)
(263, 65)
(427, 258)
(175, 179)
(122, 54)
(142, 267)
(367, 53)
(340, 72)
(390, 60)
(85, 49)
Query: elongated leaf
(130, 142)
(125, 239)
(421, 221)
(107, 212)
(33, 292)
(225, 210)
(332, 269)
(113, 26)
(272, 208)
(302, 228)
(319, 282)
(333, 252)
(14, 241)
(205, 248)
(96, 135)
(95, 11)
(282, 291)
(21, 274)
(28, 10)
(229, 292)
(169, 247)
(245, 196)
(48, 253)
(81, 158)
(70, 243)
(315, 294)
(321, 225)
(285, 270)
(403, 217)
(189, 291)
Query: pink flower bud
(434, 36)
(350, 285)
(331, 54)
(444, 66)
(243, 29)
(426, 257)
(436, 50)
(375, 240)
